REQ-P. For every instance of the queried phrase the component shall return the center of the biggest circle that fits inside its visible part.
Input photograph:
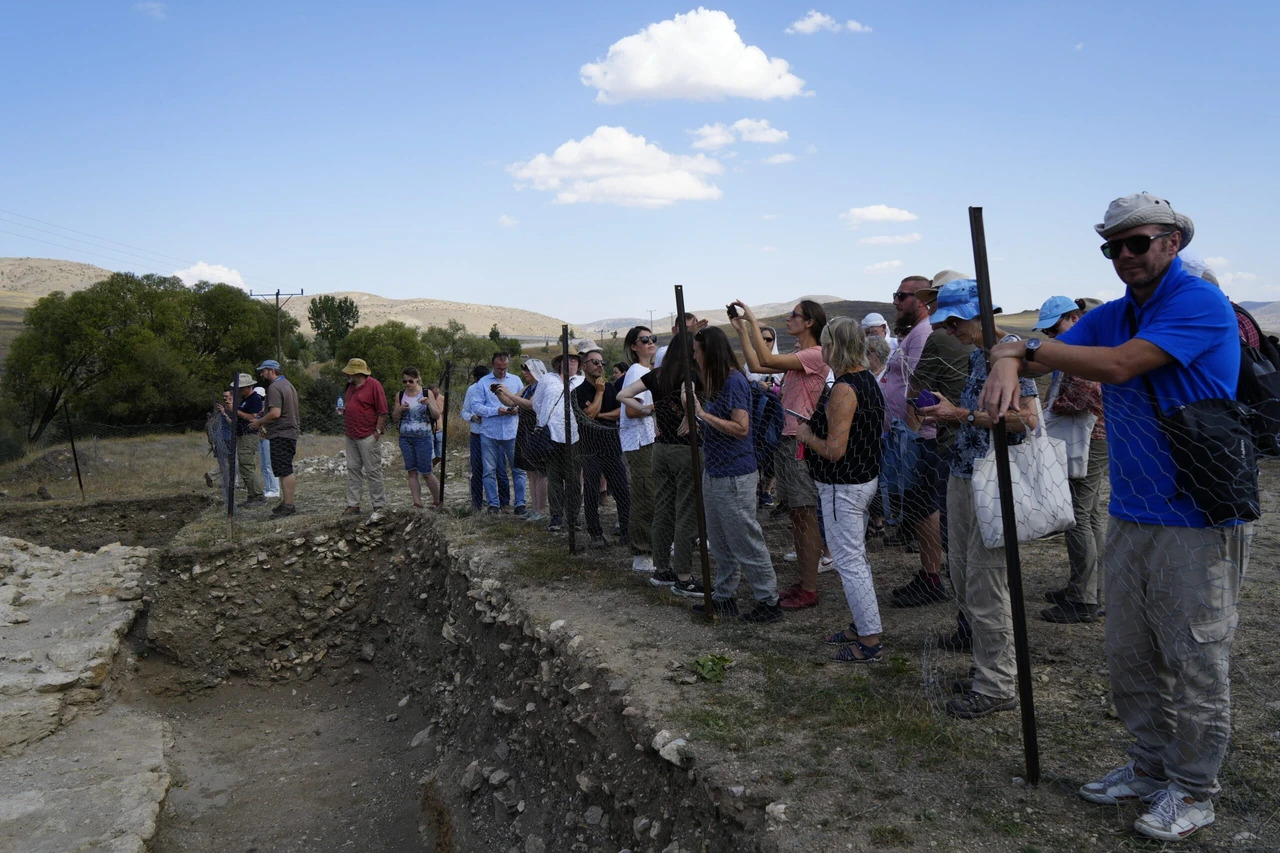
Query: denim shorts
(417, 452)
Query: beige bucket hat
(1143, 209)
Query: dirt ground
(148, 522)
(307, 768)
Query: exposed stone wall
(537, 745)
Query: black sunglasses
(797, 316)
(1139, 244)
(646, 339)
(899, 296)
(767, 340)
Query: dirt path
(309, 767)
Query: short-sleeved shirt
(896, 383)
(361, 408)
(1191, 321)
(801, 389)
(973, 442)
(250, 405)
(861, 460)
(283, 396)
(943, 367)
(415, 421)
(548, 405)
(635, 433)
(722, 454)
(668, 411)
(599, 438)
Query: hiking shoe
(642, 563)
(597, 542)
(956, 642)
(971, 705)
(762, 612)
(284, 509)
(351, 510)
(1123, 785)
(691, 588)
(663, 578)
(826, 564)
(1055, 596)
(725, 609)
(920, 592)
(556, 524)
(252, 502)
(1174, 814)
(519, 510)
(797, 599)
(1069, 612)
(493, 510)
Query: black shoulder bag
(1213, 447)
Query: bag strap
(1146, 380)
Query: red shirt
(361, 408)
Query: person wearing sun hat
(1172, 575)
(1081, 599)
(280, 417)
(247, 407)
(364, 420)
(874, 324)
(977, 572)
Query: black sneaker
(597, 542)
(556, 524)
(956, 642)
(970, 706)
(1070, 612)
(919, 592)
(762, 613)
(252, 502)
(691, 588)
(1055, 596)
(662, 578)
(726, 609)
(519, 510)
(493, 510)
(284, 509)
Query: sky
(581, 159)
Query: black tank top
(861, 462)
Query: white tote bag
(1041, 496)
(1075, 429)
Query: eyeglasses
(899, 296)
(1139, 244)
(796, 316)
(647, 339)
(409, 381)
(594, 361)
(768, 340)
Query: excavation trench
(360, 687)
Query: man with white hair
(875, 325)
(1173, 572)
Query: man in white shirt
(564, 472)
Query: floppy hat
(244, 380)
(588, 347)
(957, 299)
(269, 364)
(1052, 310)
(1143, 209)
(356, 365)
(873, 319)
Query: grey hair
(844, 344)
(877, 350)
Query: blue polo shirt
(1192, 321)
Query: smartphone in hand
(797, 415)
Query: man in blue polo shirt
(1172, 580)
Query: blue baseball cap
(1052, 310)
(957, 299)
(269, 364)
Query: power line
(86, 234)
(86, 242)
(82, 251)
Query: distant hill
(1254, 306)
(36, 277)
(512, 322)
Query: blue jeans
(269, 481)
(500, 454)
(477, 472)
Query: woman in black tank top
(843, 437)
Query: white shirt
(548, 405)
(635, 433)
(657, 359)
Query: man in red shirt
(364, 415)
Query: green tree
(332, 318)
(387, 348)
(494, 334)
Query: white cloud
(1218, 263)
(855, 216)
(1229, 278)
(769, 216)
(882, 266)
(508, 221)
(815, 20)
(614, 167)
(718, 135)
(698, 56)
(768, 249)
(890, 240)
(1079, 46)
(210, 272)
(151, 9)
(778, 159)
(811, 149)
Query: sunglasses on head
(1139, 244)
(647, 339)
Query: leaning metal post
(1000, 439)
(444, 436)
(571, 513)
(695, 452)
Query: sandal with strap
(843, 637)
(870, 654)
(875, 529)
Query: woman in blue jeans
(729, 480)
(415, 414)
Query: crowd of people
(862, 424)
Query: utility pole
(279, 305)
(650, 319)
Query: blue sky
(381, 146)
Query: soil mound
(147, 522)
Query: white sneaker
(1172, 818)
(789, 557)
(271, 494)
(642, 563)
(826, 564)
(1123, 785)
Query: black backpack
(1258, 385)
